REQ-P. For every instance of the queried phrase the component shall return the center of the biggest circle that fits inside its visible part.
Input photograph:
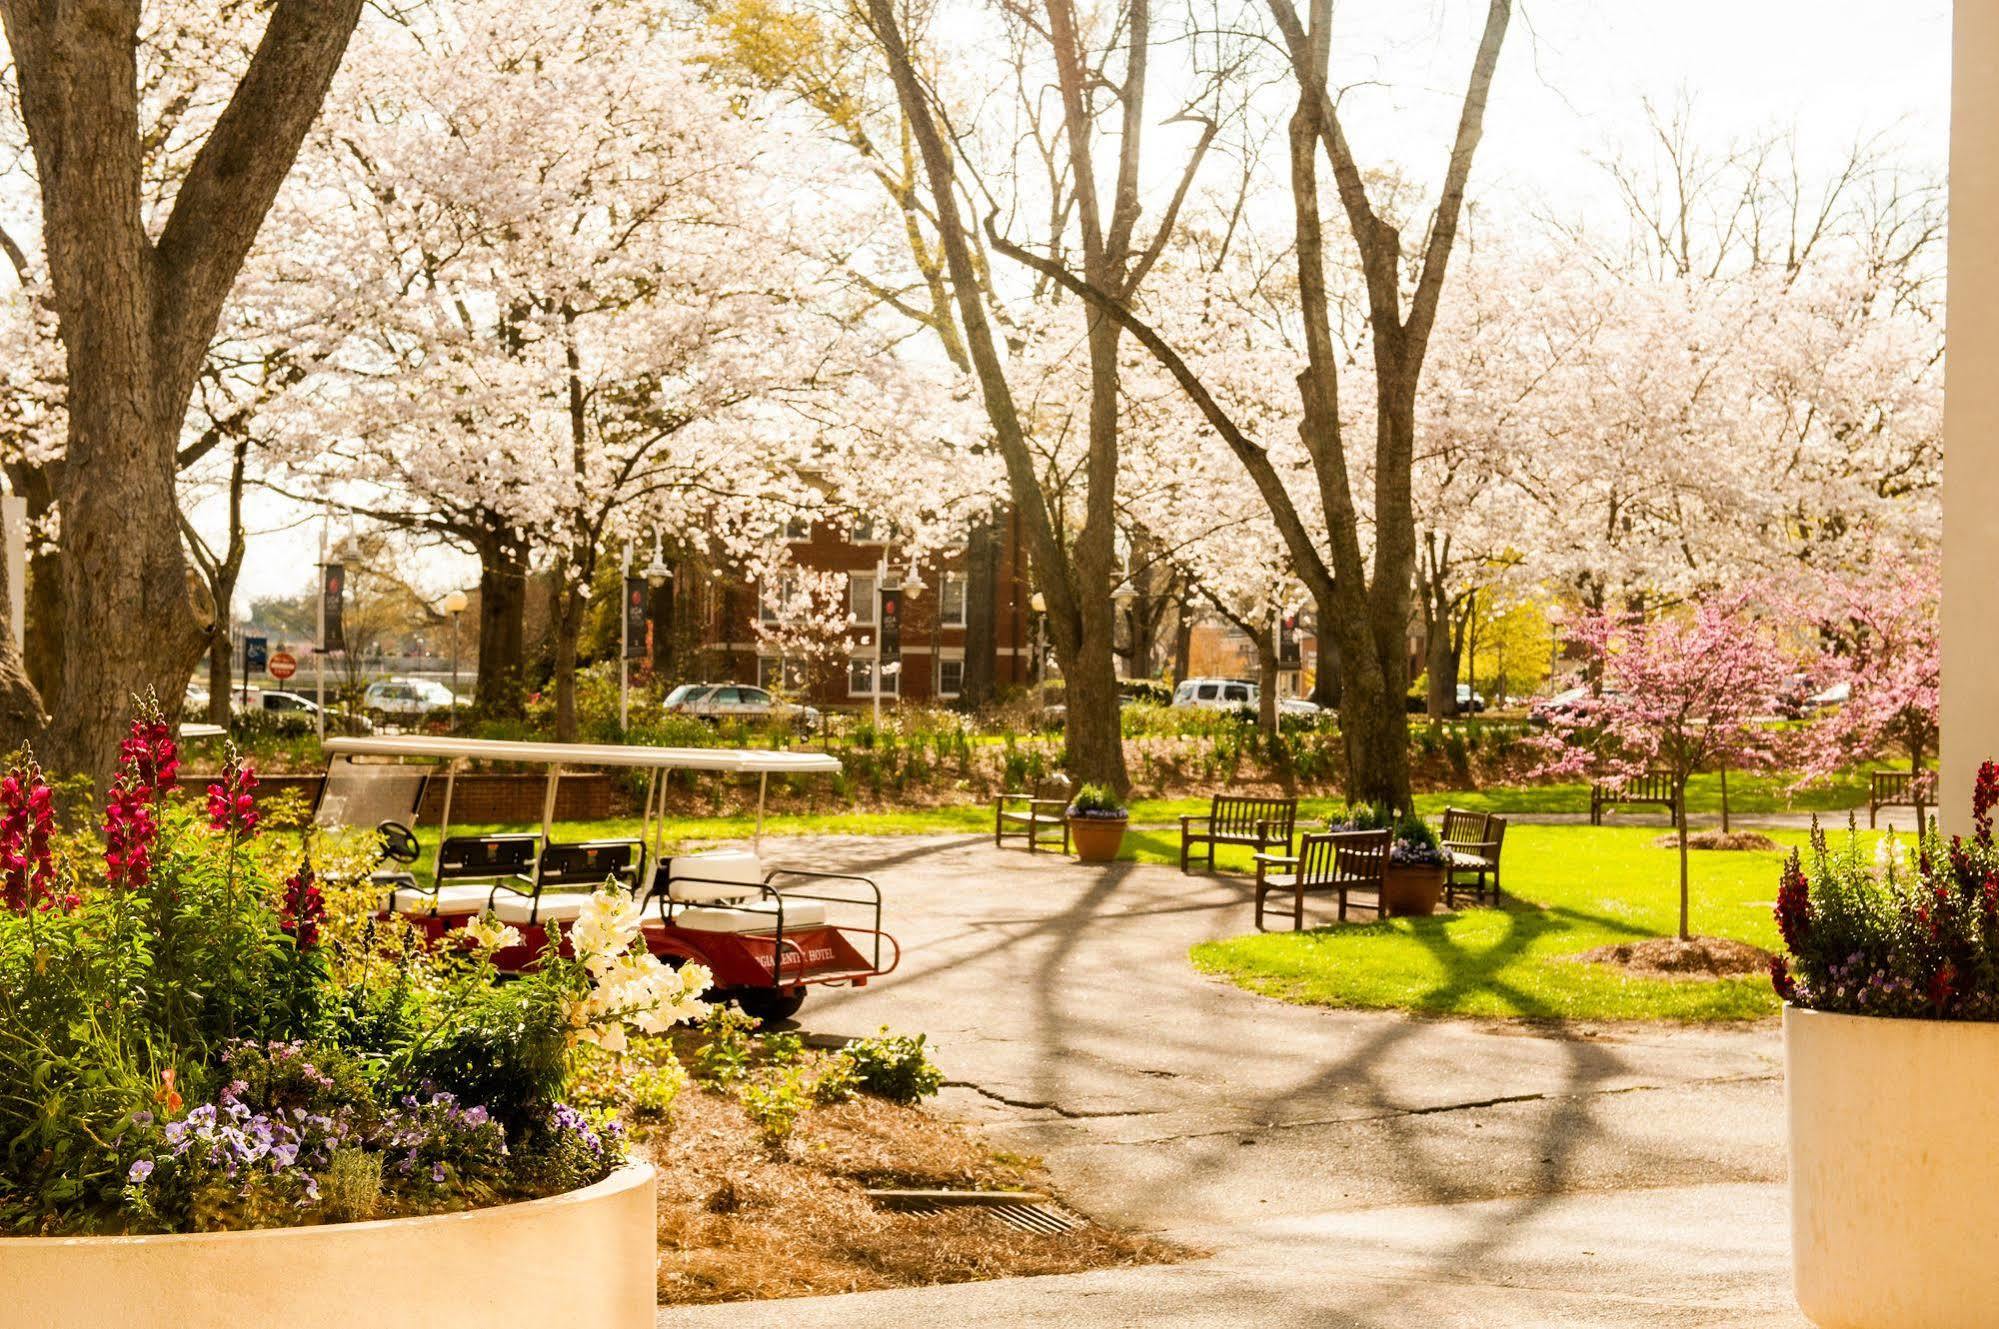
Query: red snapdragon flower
(148, 764)
(1780, 978)
(1794, 903)
(1984, 795)
(232, 802)
(27, 822)
(302, 908)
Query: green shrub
(896, 1067)
(775, 1100)
(724, 1055)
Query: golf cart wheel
(768, 1005)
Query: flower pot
(1412, 889)
(585, 1258)
(1097, 839)
(1894, 1182)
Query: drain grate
(1030, 1211)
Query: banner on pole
(636, 594)
(333, 595)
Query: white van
(1217, 694)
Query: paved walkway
(1344, 1168)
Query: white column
(1971, 416)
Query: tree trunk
(571, 602)
(1326, 671)
(503, 583)
(982, 550)
(1724, 798)
(21, 716)
(1183, 640)
(659, 609)
(1441, 665)
(136, 315)
(1266, 682)
(219, 678)
(1680, 816)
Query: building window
(860, 678)
(770, 671)
(861, 597)
(865, 531)
(798, 528)
(950, 676)
(951, 601)
(770, 606)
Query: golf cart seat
(751, 917)
(554, 907)
(446, 902)
(717, 877)
(487, 857)
(590, 863)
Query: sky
(1570, 91)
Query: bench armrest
(1275, 858)
(1049, 802)
(1471, 846)
(1013, 798)
(1188, 820)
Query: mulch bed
(737, 1222)
(1720, 840)
(1669, 957)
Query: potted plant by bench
(1891, 1051)
(1412, 883)
(275, 1108)
(1096, 823)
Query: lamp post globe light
(454, 605)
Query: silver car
(716, 702)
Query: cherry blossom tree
(1879, 635)
(1681, 694)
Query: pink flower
(27, 823)
(302, 909)
(232, 806)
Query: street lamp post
(454, 605)
(1038, 604)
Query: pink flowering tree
(1880, 639)
(1680, 694)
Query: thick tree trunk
(503, 584)
(1441, 666)
(136, 315)
(1183, 640)
(982, 550)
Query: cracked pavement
(1342, 1167)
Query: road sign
(283, 665)
(256, 653)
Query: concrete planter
(1097, 839)
(1894, 1180)
(1411, 890)
(585, 1258)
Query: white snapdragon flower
(488, 933)
(606, 928)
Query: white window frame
(950, 658)
(863, 603)
(767, 609)
(798, 530)
(859, 666)
(950, 580)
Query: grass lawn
(1572, 888)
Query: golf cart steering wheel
(398, 841)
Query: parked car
(1470, 702)
(1217, 694)
(716, 702)
(1299, 706)
(1573, 704)
(404, 699)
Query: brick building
(936, 621)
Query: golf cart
(767, 933)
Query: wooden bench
(1339, 863)
(1038, 817)
(1473, 841)
(1900, 789)
(1652, 787)
(1257, 823)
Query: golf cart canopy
(743, 761)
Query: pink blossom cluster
(27, 824)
